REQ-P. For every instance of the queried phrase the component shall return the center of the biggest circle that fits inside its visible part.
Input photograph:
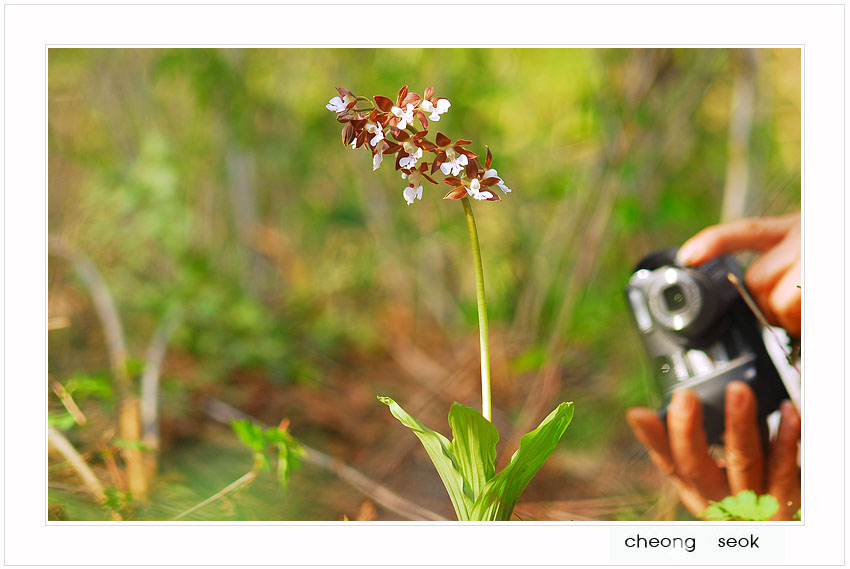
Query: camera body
(699, 334)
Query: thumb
(752, 234)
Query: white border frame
(29, 29)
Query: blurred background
(216, 251)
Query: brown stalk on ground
(129, 427)
(67, 450)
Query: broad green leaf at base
(474, 446)
(467, 464)
(500, 495)
(438, 448)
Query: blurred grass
(214, 180)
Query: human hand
(681, 451)
(774, 278)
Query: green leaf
(289, 453)
(499, 497)
(284, 466)
(115, 498)
(249, 433)
(62, 421)
(474, 447)
(260, 441)
(746, 506)
(80, 386)
(439, 450)
(288, 459)
(276, 435)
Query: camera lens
(674, 298)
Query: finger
(786, 301)
(649, 430)
(692, 498)
(744, 457)
(783, 472)
(769, 268)
(765, 273)
(753, 234)
(689, 448)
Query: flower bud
(348, 134)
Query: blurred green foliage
(214, 180)
(276, 440)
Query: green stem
(486, 406)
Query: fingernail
(735, 396)
(685, 255)
(633, 419)
(788, 410)
(682, 399)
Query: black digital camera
(699, 334)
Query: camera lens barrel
(677, 300)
